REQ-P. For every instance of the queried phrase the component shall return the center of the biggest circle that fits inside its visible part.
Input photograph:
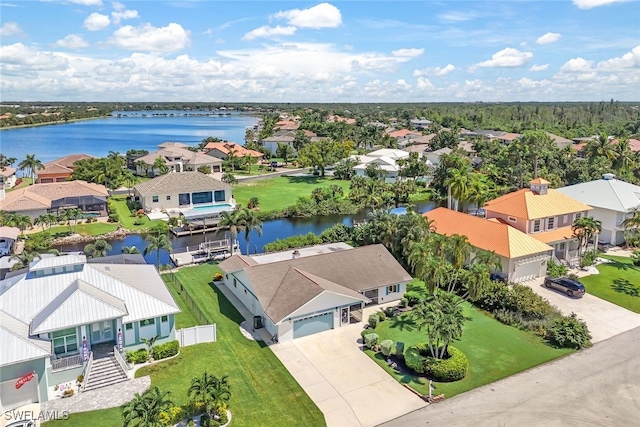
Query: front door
(102, 332)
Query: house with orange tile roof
(522, 257)
(59, 170)
(222, 150)
(543, 213)
(287, 125)
(508, 138)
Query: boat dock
(209, 250)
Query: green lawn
(264, 393)
(25, 183)
(618, 282)
(125, 218)
(185, 318)
(92, 229)
(281, 192)
(494, 350)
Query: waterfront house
(521, 256)
(8, 238)
(61, 315)
(59, 170)
(543, 213)
(306, 291)
(222, 150)
(612, 200)
(192, 194)
(177, 159)
(385, 158)
(7, 178)
(39, 199)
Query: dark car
(498, 277)
(571, 287)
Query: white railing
(123, 364)
(66, 362)
(87, 370)
(196, 335)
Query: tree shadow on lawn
(622, 265)
(308, 179)
(402, 322)
(624, 286)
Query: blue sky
(292, 51)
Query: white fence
(196, 335)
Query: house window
(565, 219)
(148, 322)
(578, 215)
(392, 289)
(536, 226)
(164, 319)
(551, 222)
(154, 199)
(128, 326)
(168, 197)
(218, 196)
(512, 219)
(65, 341)
(201, 197)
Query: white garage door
(313, 324)
(527, 271)
(11, 398)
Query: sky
(339, 51)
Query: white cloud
(147, 38)
(506, 58)
(10, 29)
(590, 4)
(72, 41)
(458, 16)
(626, 61)
(424, 83)
(96, 22)
(408, 53)
(116, 5)
(86, 2)
(539, 67)
(435, 71)
(323, 15)
(18, 58)
(548, 38)
(266, 32)
(576, 65)
(121, 15)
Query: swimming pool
(224, 206)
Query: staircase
(105, 371)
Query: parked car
(571, 287)
(498, 277)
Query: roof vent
(608, 176)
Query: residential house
(8, 178)
(421, 123)
(222, 150)
(306, 291)
(339, 119)
(386, 158)
(177, 159)
(8, 238)
(612, 200)
(434, 156)
(522, 257)
(59, 170)
(508, 138)
(560, 141)
(271, 143)
(39, 199)
(287, 125)
(544, 213)
(63, 316)
(193, 194)
(484, 133)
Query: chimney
(608, 176)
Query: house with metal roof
(306, 291)
(522, 257)
(62, 316)
(612, 200)
(544, 213)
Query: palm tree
(6, 161)
(160, 165)
(457, 183)
(235, 222)
(600, 147)
(623, 155)
(129, 179)
(585, 228)
(41, 220)
(145, 409)
(97, 249)
(631, 223)
(130, 250)
(443, 319)
(31, 164)
(251, 222)
(21, 221)
(71, 214)
(212, 391)
(24, 259)
(158, 243)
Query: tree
(160, 165)
(235, 222)
(212, 391)
(402, 190)
(130, 250)
(344, 169)
(285, 151)
(253, 202)
(6, 161)
(301, 140)
(31, 165)
(458, 182)
(631, 223)
(21, 221)
(157, 243)
(41, 220)
(321, 154)
(99, 248)
(600, 147)
(248, 161)
(374, 171)
(145, 409)
(442, 318)
(228, 178)
(129, 179)
(585, 228)
(24, 259)
(250, 222)
(413, 166)
(71, 214)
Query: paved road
(599, 386)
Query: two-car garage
(525, 269)
(313, 324)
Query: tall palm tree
(235, 222)
(158, 243)
(145, 409)
(41, 220)
(97, 249)
(129, 179)
(212, 391)
(160, 165)
(443, 319)
(600, 147)
(31, 164)
(585, 228)
(623, 155)
(458, 182)
(251, 222)
(631, 223)
(21, 221)
(6, 161)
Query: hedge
(453, 368)
(371, 340)
(138, 356)
(385, 347)
(373, 321)
(414, 358)
(413, 298)
(163, 351)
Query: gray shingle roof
(179, 182)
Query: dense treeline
(33, 114)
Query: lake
(99, 136)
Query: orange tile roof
(539, 181)
(489, 235)
(510, 136)
(68, 161)
(526, 204)
(239, 150)
(402, 132)
(553, 236)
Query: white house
(306, 291)
(612, 200)
(8, 177)
(386, 158)
(63, 315)
(8, 238)
(434, 156)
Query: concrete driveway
(349, 388)
(603, 318)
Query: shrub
(68, 392)
(138, 222)
(385, 347)
(588, 259)
(570, 332)
(217, 277)
(452, 368)
(556, 270)
(373, 321)
(113, 218)
(524, 301)
(389, 311)
(137, 356)
(400, 349)
(635, 257)
(414, 358)
(413, 298)
(382, 316)
(163, 351)
(404, 302)
(493, 296)
(371, 340)
(204, 420)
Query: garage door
(527, 271)
(12, 397)
(312, 325)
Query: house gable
(322, 301)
